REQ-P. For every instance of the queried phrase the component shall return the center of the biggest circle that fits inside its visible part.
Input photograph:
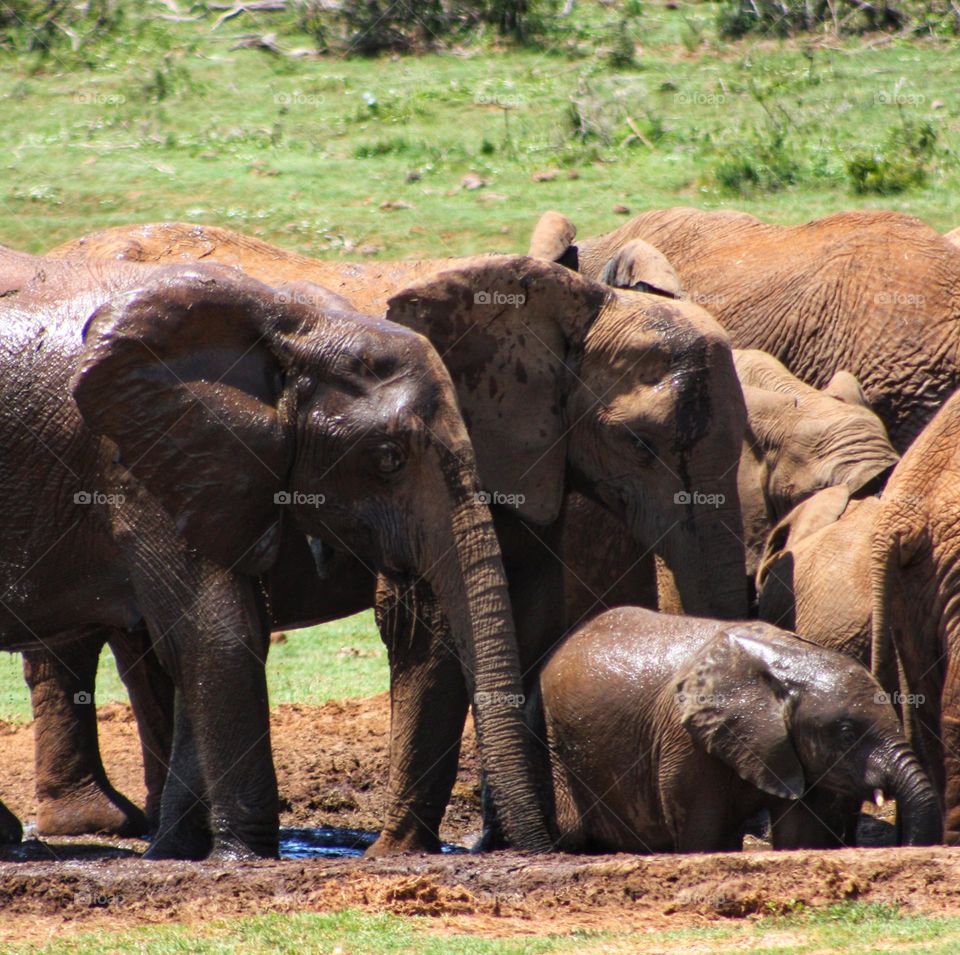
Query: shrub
(736, 18)
(367, 27)
(901, 163)
(43, 26)
(766, 162)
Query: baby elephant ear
(181, 375)
(824, 508)
(846, 387)
(552, 240)
(643, 268)
(733, 706)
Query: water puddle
(327, 843)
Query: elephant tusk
(878, 798)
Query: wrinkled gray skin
(874, 292)
(168, 426)
(798, 440)
(814, 574)
(627, 396)
(666, 733)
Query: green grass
(173, 124)
(342, 659)
(854, 928)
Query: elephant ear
(507, 327)
(643, 268)
(732, 704)
(824, 508)
(552, 240)
(846, 387)
(181, 375)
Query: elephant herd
(594, 493)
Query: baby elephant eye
(644, 446)
(848, 733)
(388, 459)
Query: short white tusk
(878, 797)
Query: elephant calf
(666, 733)
(814, 575)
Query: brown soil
(332, 764)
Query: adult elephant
(875, 293)
(516, 387)
(564, 384)
(165, 428)
(667, 733)
(915, 562)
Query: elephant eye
(388, 459)
(848, 733)
(644, 446)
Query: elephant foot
(490, 840)
(390, 844)
(176, 847)
(92, 809)
(11, 832)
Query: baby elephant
(666, 733)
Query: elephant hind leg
(151, 696)
(74, 794)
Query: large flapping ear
(552, 240)
(732, 704)
(182, 374)
(506, 328)
(643, 268)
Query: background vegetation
(622, 104)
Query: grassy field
(337, 660)
(855, 929)
(174, 124)
(450, 153)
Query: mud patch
(331, 762)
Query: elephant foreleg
(74, 794)
(215, 653)
(428, 706)
(820, 820)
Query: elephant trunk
(471, 587)
(705, 554)
(918, 809)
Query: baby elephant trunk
(918, 809)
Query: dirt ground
(332, 764)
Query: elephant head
(800, 440)
(631, 396)
(788, 716)
(241, 407)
